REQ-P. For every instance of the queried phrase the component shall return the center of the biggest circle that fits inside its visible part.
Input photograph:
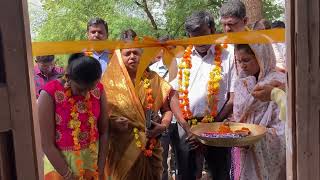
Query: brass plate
(257, 133)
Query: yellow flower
(186, 72)
(146, 83)
(138, 143)
(91, 121)
(93, 147)
(136, 136)
(184, 65)
(135, 130)
(180, 66)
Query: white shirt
(160, 69)
(199, 76)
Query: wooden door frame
(302, 130)
(18, 101)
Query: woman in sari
(266, 159)
(74, 122)
(135, 151)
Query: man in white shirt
(97, 30)
(203, 61)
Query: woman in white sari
(266, 159)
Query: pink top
(64, 139)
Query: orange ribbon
(151, 47)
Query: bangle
(68, 174)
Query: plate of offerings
(228, 134)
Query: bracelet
(68, 174)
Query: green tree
(67, 19)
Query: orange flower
(149, 91)
(79, 162)
(77, 153)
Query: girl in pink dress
(74, 122)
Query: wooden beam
(4, 110)
(307, 88)
(291, 154)
(16, 44)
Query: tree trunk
(254, 10)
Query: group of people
(97, 121)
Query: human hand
(278, 84)
(121, 124)
(262, 92)
(192, 141)
(156, 130)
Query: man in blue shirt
(97, 30)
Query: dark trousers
(168, 138)
(218, 161)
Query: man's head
(233, 16)
(45, 63)
(128, 35)
(262, 24)
(200, 23)
(97, 29)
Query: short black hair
(96, 21)
(83, 69)
(278, 24)
(197, 20)
(128, 35)
(233, 8)
(45, 59)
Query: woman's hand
(262, 92)
(278, 84)
(156, 130)
(121, 124)
(192, 141)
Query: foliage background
(58, 20)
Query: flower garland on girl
(75, 125)
(213, 85)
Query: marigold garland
(213, 85)
(75, 125)
(151, 143)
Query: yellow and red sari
(125, 161)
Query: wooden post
(19, 140)
(303, 131)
